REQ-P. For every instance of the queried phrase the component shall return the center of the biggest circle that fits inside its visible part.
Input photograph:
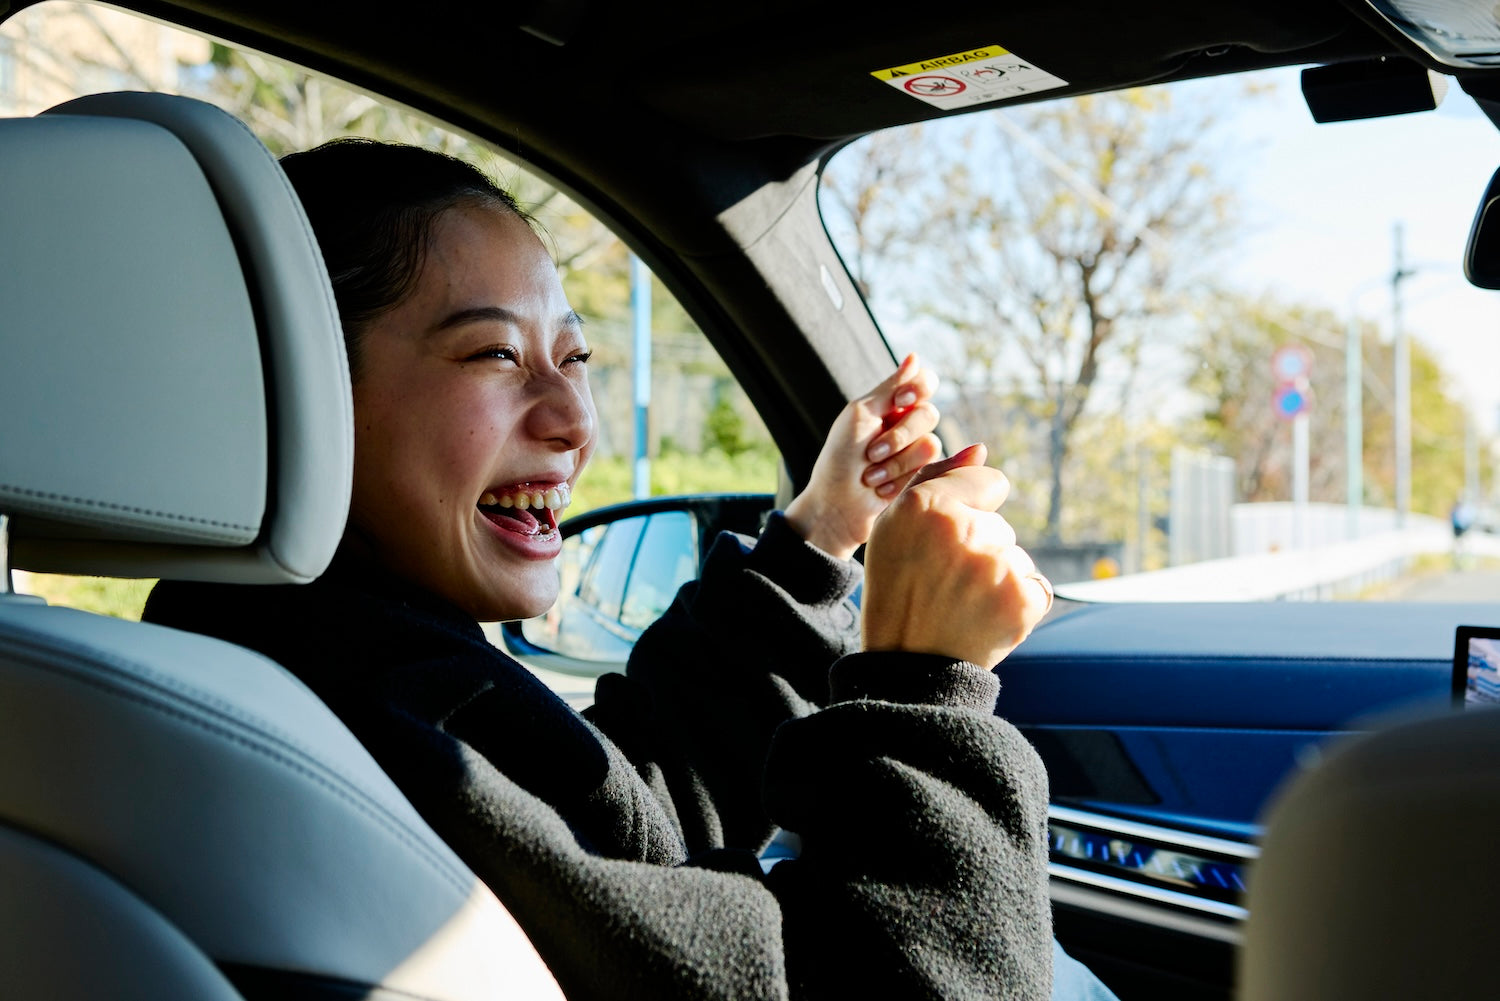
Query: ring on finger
(1046, 587)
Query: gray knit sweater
(625, 843)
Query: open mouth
(526, 508)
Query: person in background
(1461, 517)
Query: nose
(561, 411)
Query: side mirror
(621, 567)
(1482, 255)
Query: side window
(631, 570)
(702, 434)
(666, 559)
(603, 586)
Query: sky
(1322, 202)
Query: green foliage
(1119, 469)
(122, 599)
(725, 429)
(608, 480)
(1437, 437)
(1236, 341)
(1237, 337)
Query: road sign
(1291, 362)
(1290, 366)
(1290, 401)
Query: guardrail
(1332, 571)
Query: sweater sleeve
(923, 824)
(742, 649)
(923, 873)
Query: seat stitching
(90, 502)
(287, 755)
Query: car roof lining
(706, 103)
(742, 72)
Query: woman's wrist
(819, 528)
(913, 679)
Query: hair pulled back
(372, 206)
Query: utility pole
(1471, 462)
(1300, 459)
(1402, 349)
(1290, 366)
(1354, 436)
(640, 305)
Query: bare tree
(1084, 230)
(867, 201)
(1045, 249)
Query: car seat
(1377, 877)
(179, 817)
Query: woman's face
(471, 400)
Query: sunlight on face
(471, 405)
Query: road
(1480, 584)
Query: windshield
(1195, 326)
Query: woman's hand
(943, 573)
(878, 441)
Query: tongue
(513, 519)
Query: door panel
(1166, 728)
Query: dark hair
(371, 205)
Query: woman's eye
(581, 358)
(498, 352)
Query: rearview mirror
(1371, 88)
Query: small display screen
(1476, 666)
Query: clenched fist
(943, 573)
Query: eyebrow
(498, 314)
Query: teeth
(558, 498)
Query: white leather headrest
(170, 353)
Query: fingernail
(880, 452)
(967, 451)
(885, 489)
(877, 475)
(906, 398)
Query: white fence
(1269, 569)
(1274, 527)
(1201, 498)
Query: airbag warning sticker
(965, 78)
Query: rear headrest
(177, 396)
(1372, 882)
